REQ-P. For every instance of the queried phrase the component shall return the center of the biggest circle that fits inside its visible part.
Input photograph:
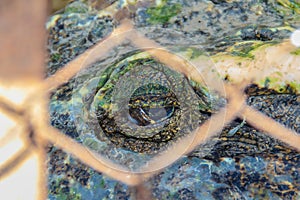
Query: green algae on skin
(296, 52)
(162, 13)
(76, 7)
(245, 49)
(274, 65)
(290, 5)
(55, 57)
(275, 84)
(193, 52)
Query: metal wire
(43, 133)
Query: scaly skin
(244, 165)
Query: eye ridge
(151, 91)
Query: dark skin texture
(215, 29)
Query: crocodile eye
(136, 105)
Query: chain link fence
(24, 97)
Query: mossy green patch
(277, 85)
(75, 9)
(296, 52)
(162, 13)
(244, 49)
(55, 57)
(193, 53)
(102, 183)
(294, 86)
(291, 5)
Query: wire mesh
(32, 113)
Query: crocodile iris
(152, 104)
